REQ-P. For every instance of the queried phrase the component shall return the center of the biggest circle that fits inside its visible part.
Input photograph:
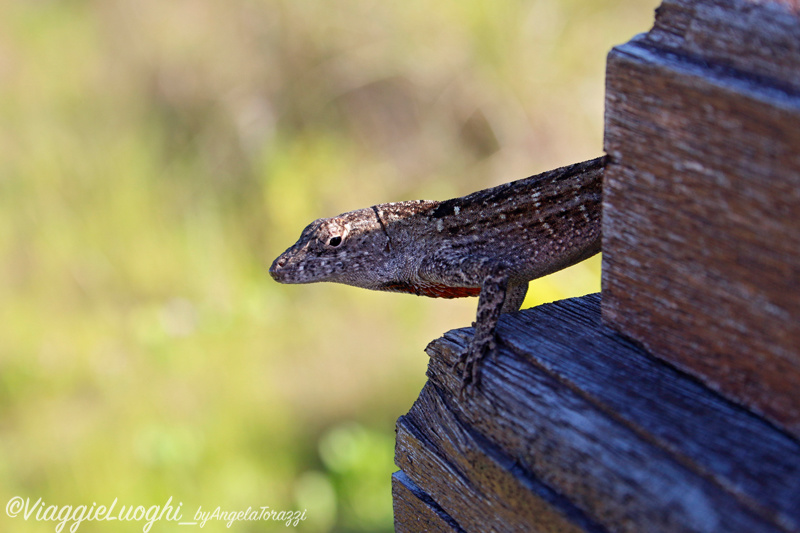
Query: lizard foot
(470, 365)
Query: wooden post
(694, 425)
(701, 211)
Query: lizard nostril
(276, 265)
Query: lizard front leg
(498, 295)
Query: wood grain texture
(443, 452)
(414, 511)
(576, 428)
(756, 38)
(701, 233)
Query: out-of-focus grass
(155, 156)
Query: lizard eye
(333, 232)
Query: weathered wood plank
(632, 443)
(472, 481)
(760, 39)
(414, 511)
(701, 233)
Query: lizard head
(352, 248)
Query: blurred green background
(155, 156)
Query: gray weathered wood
(444, 452)
(756, 38)
(701, 208)
(414, 511)
(576, 427)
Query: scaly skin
(489, 243)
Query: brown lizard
(488, 243)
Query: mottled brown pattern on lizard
(491, 243)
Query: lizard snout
(277, 265)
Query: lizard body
(489, 244)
